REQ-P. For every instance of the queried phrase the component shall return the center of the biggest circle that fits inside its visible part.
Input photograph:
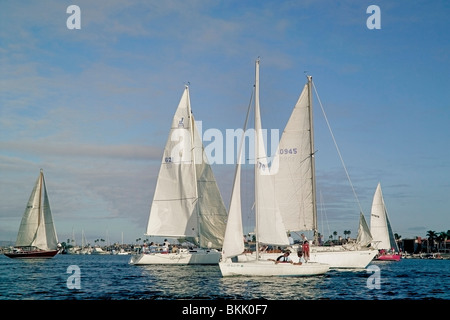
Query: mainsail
(269, 222)
(187, 202)
(37, 228)
(293, 167)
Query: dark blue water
(110, 277)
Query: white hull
(344, 259)
(264, 268)
(337, 257)
(181, 257)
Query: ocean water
(110, 277)
(77, 283)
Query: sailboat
(269, 227)
(37, 234)
(293, 172)
(381, 230)
(187, 203)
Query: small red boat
(388, 257)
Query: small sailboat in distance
(37, 236)
(381, 230)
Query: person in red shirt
(306, 250)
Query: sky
(92, 106)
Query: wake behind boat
(187, 204)
(37, 235)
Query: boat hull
(389, 257)
(264, 268)
(341, 258)
(337, 257)
(36, 254)
(181, 257)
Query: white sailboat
(381, 230)
(187, 204)
(37, 234)
(269, 227)
(293, 172)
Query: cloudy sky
(93, 106)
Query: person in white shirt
(284, 258)
(301, 260)
(166, 245)
(291, 240)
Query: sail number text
(288, 151)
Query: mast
(313, 167)
(191, 132)
(41, 212)
(256, 155)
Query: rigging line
(337, 148)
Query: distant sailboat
(37, 235)
(269, 227)
(294, 178)
(381, 230)
(187, 204)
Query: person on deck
(291, 240)
(301, 260)
(283, 258)
(306, 250)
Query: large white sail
(364, 237)
(269, 223)
(233, 243)
(175, 194)
(37, 228)
(187, 202)
(380, 227)
(293, 168)
(210, 208)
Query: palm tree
(442, 238)
(397, 238)
(335, 234)
(347, 233)
(431, 239)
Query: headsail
(233, 243)
(212, 214)
(364, 237)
